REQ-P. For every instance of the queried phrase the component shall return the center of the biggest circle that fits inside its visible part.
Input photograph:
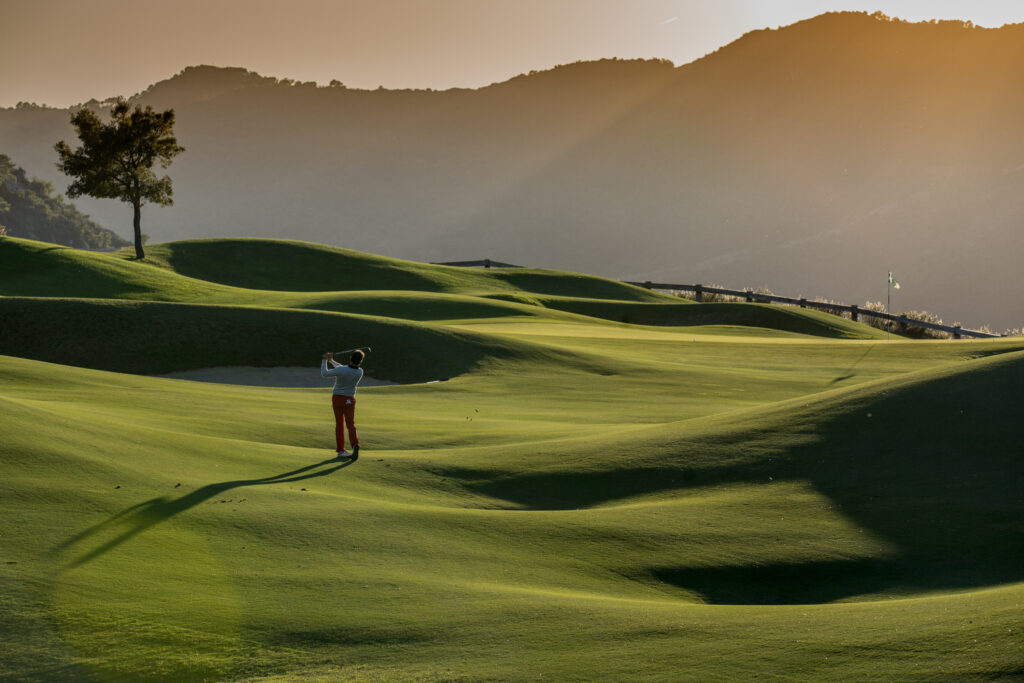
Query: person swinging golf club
(343, 398)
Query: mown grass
(584, 500)
(735, 314)
(533, 540)
(306, 276)
(301, 266)
(155, 338)
(45, 270)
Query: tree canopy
(116, 159)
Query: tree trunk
(139, 253)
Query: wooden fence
(484, 263)
(902, 322)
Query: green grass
(301, 266)
(686, 313)
(715, 495)
(155, 338)
(193, 269)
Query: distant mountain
(28, 208)
(811, 159)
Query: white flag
(895, 285)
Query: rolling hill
(182, 310)
(719, 496)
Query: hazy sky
(62, 52)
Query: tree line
(30, 209)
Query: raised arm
(327, 358)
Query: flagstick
(888, 307)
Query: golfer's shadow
(136, 519)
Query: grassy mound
(192, 269)
(724, 492)
(927, 465)
(154, 338)
(425, 306)
(37, 269)
(688, 313)
(30, 268)
(282, 274)
(285, 265)
(168, 530)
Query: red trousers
(344, 415)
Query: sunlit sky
(62, 52)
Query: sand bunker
(267, 377)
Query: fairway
(735, 492)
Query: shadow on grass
(136, 519)
(935, 469)
(804, 583)
(784, 583)
(574, 490)
(395, 633)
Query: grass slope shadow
(138, 518)
(933, 468)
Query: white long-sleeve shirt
(345, 377)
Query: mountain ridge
(813, 157)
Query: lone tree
(116, 159)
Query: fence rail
(855, 311)
(902, 321)
(482, 263)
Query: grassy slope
(521, 543)
(301, 266)
(182, 271)
(164, 320)
(685, 313)
(587, 499)
(155, 338)
(313, 277)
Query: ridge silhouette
(805, 158)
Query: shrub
(911, 330)
(918, 332)
(880, 323)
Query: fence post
(487, 263)
(854, 313)
(648, 285)
(956, 332)
(803, 302)
(699, 289)
(750, 296)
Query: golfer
(346, 377)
